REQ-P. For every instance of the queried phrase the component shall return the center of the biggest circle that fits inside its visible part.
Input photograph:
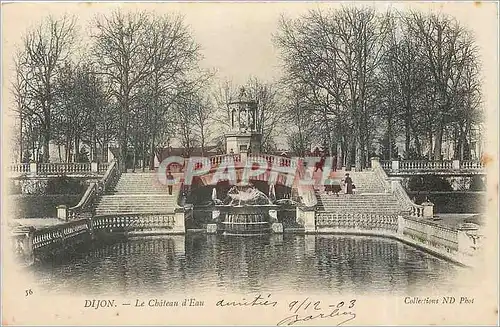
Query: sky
(236, 38)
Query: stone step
(138, 193)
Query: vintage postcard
(249, 163)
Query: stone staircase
(137, 193)
(358, 203)
(370, 196)
(365, 181)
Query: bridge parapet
(241, 159)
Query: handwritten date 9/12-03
(308, 310)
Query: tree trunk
(389, 136)
(21, 152)
(77, 150)
(438, 143)
(144, 159)
(152, 161)
(339, 156)
(46, 141)
(358, 153)
(430, 156)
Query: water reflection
(201, 263)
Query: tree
(338, 54)
(45, 48)
(270, 112)
(410, 74)
(143, 56)
(448, 50)
(80, 102)
(301, 133)
(203, 110)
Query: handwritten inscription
(307, 310)
(257, 300)
(299, 311)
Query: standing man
(170, 182)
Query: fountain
(245, 211)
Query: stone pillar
(27, 247)
(395, 165)
(468, 238)
(179, 218)
(211, 228)
(309, 221)
(273, 214)
(455, 164)
(310, 245)
(94, 167)
(428, 209)
(111, 156)
(375, 161)
(401, 225)
(33, 168)
(243, 158)
(394, 183)
(277, 228)
(62, 212)
(179, 245)
(215, 214)
(276, 239)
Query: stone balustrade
(35, 243)
(58, 168)
(224, 158)
(395, 187)
(433, 235)
(57, 235)
(20, 168)
(460, 244)
(93, 192)
(411, 167)
(368, 221)
(261, 158)
(135, 222)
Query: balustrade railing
(127, 222)
(94, 190)
(414, 209)
(56, 234)
(224, 158)
(432, 234)
(430, 165)
(397, 189)
(381, 175)
(63, 167)
(261, 158)
(470, 164)
(386, 164)
(363, 221)
(102, 167)
(59, 168)
(20, 168)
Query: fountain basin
(244, 220)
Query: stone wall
(453, 202)
(39, 206)
(459, 245)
